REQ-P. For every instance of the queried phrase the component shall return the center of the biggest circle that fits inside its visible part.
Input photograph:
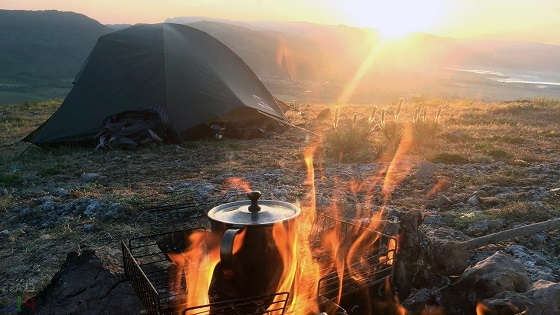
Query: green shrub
(350, 141)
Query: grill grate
(148, 268)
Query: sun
(395, 18)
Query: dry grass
(463, 131)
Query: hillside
(42, 51)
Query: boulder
(87, 283)
(542, 298)
(495, 274)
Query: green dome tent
(184, 75)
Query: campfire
(321, 261)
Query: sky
(528, 20)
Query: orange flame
(400, 166)
(198, 262)
(481, 309)
(442, 182)
(301, 268)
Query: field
(473, 167)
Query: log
(511, 233)
(452, 257)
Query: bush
(425, 129)
(350, 141)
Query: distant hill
(43, 50)
(278, 51)
(117, 27)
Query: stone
(433, 219)
(478, 228)
(473, 200)
(200, 191)
(90, 177)
(87, 284)
(113, 211)
(23, 211)
(543, 297)
(534, 263)
(441, 202)
(93, 208)
(485, 226)
(498, 273)
(425, 171)
(61, 192)
(88, 227)
(4, 235)
(539, 240)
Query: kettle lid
(254, 212)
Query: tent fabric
(184, 74)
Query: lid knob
(254, 197)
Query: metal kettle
(255, 268)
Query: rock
(47, 205)
(4, 235)
(85, 284)
(113, 211)
(535, 264)
(433, 219)
(418, 301)
(542, 298)
(61, 192)
(473, 200)
(90, 177)
(441, 202)
(485, 226)
(478, 228)
(88, 227)
(539, 240)
(93, 208)
(425, 171)
(201, 191)
(495, 274)
(23, 211)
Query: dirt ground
(499, 162)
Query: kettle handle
(226, 251)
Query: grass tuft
(449, 158)
(350, 141)
(10, 179)
(499, 154)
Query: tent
(184, 75)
